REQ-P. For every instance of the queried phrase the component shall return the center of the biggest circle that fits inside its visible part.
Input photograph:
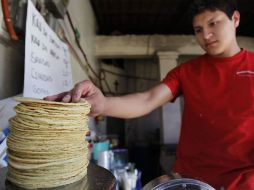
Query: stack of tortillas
(46, 145)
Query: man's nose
(207, 34)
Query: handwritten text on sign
(47, 61)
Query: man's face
(215, 32)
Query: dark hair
(199, 6)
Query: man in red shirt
(217, 135)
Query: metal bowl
(166, 182)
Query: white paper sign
(47, 61)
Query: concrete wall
(84, 19)
(143, 46)
(11, 71)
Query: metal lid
(167, 183)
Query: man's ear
(236, 18)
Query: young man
(217, 135)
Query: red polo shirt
(217, 134)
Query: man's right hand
(87, 90)
(127, 106)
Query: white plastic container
(168, 183)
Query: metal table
(97, 178)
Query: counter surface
(97, 178)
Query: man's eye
(214, 23)
(197, 31)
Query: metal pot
(167, 182)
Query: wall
(11, 71)
(84, 19)
(143, 46)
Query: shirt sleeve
(172, 80)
